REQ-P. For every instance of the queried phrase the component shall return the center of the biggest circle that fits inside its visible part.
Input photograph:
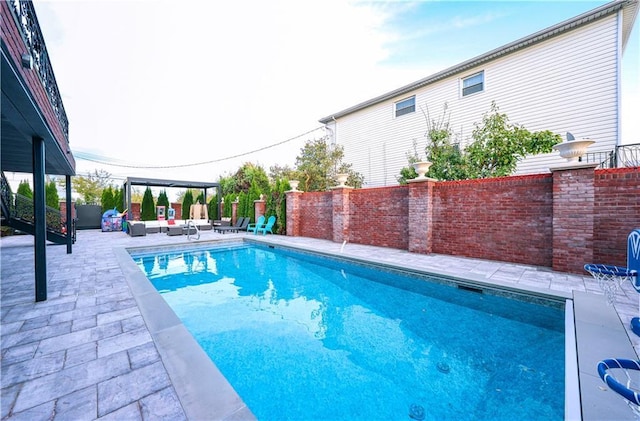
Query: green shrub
(148, 207)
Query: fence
(561, 220)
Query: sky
(192, 90)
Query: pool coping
(206, 394)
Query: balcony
(31, 103)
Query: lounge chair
(241, 224)
(245, 224)
(259, 224)
(136, 228)
(267, 227)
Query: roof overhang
(630, 11)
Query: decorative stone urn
(294, 184)
(342, 178)
(421, 167)
(572, 150)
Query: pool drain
(443, 367)
(416, 412)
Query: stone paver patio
(89, 352)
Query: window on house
(473, 84)
(405, 106)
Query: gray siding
(566, 83)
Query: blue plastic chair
(267, 227)
(254, 227)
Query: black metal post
(69, 221)
(40, 224)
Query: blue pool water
(307, 338)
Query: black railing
(628, 155)
(25, 17)
(18, 207)
(621, 156)
(604, 159)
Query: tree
(107, 199)
(277, 205)
(199, 198)
(250, 173)
(24, 189)
(186, 204)
(24, 202)
(118, 198)
(318, 164)
(227, 185)
(212, 207)
(148, 207)
(163, 200)
(277, 172)
(495, 151)
(498, 145)
(51, 195)
(90, 187)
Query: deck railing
(20, 207)
(621, 156)
(25, 17)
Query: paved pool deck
(104, 345)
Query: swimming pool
(305, 338)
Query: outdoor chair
(267, 227)
(259, 224)
(136, 228)
(234, 228)
(245, 224)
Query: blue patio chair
(254, 227)
(267, 227)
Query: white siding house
(565, 78)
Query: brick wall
(506, 218)
(379, 217)
(616, 213)
(560, 220)
(316, 215)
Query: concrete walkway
(89, 352)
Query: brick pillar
(134, 212)
(260, 207)
(63, 210)
(177, 207)
(573, 223)
(234, 212)
(294, 213)
(420, 215)
(340, 208)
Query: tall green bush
(24, 189)
(163, 200)
(243, 205)
(51, 195)
(212, 208)
(107, 199)
(277, 205)
(118, 198)
(148, 207)
(186, 204)
(228, 199)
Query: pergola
(154, 182)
